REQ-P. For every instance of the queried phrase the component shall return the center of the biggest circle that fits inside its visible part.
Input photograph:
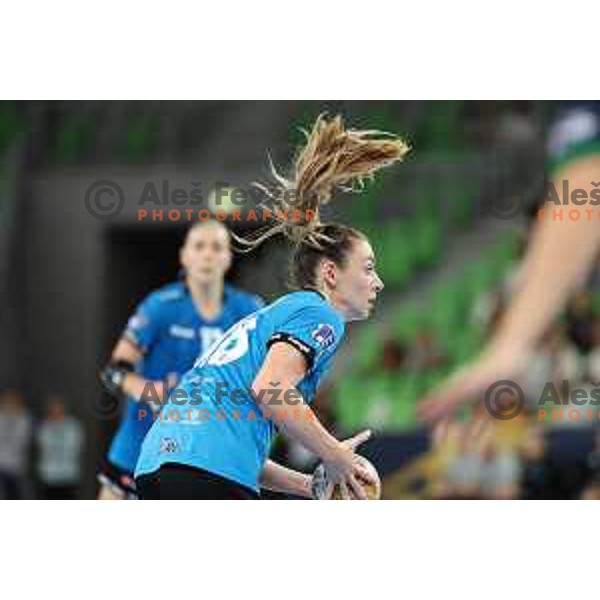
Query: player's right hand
(343, 469)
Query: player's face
(206, 254)
(357, 282)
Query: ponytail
(333, 158)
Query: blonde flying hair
(333, 158)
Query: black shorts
(180, 482)
(117, 479)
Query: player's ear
(329, 272)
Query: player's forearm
(301, 424)
(119, 375)
(285, 365)
(296, 419)
(561, 253)
(278, 478)
(133, 385)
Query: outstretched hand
(469, 384)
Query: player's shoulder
(166, 295)
(306, 302)
(243, 300)
(309, 315)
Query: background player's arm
(284, 367)
(560, 254)
(142, 332)
(133, 384)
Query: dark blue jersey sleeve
(143, 328)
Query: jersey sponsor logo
(168, 446)
(324, 335)
(186, 333)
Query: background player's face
(357, 283)
(206, 253)
(56, 409)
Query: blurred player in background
(285, 347)
(170, 328)
(560, 256)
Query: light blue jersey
(211, 421)
(171, 333)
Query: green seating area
(74, 139)
(11, 124)
(383, 401)
(141, 138)
(404, 247)
(77, 135)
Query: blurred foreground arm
(561, 254)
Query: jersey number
(233, 345)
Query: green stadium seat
(405, 391)
(443, 130)
(348, 403)
(141, 138)
(73, 140)
(10, 124)
(408, 322)
(396, 264)
(427, 241)
(367, 348)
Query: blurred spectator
(581, 319)
(463, 467)
(482, 460)
(393, 356)
(555, 360)
(425, 352)
(15, 436)
(593, 358)
(517, 132)
(500, 471)
(60, 442)
(535, 469)
(592, 491)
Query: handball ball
(323, 489)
